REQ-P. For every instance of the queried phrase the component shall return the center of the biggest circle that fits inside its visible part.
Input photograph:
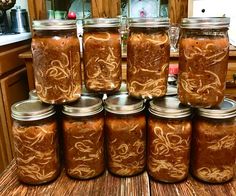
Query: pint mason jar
(36, 142)
(203, 61)
(83, 131)
(102, 55)
(56, 61)
(169, 137)
(148, 53)
(125, 126)
(214, 143)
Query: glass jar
(203, 61)
(214, 143)
(169, 137)
(126, 135)
(36, 142)
(56, 61)
(83, 130)
(148, 53)
(102, 55)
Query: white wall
(217, 8)
(22, 3)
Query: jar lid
(101, 22)
(205, 22)
(149, 22)
(123, 104)
(30, 110)
(169, 107)
(85, 106)
(227, 109)
(54, 24)
(33, 95)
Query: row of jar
(158, 137)
(203, 59)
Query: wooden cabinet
(13, 88)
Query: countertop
(109, 185)
(13, 38)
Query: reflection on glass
(174, 37)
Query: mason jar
(148, 53)
(56, 61)
(102, 55)
(36, 142)
(125, 125)
(169, 137)
(214, 143)
(203, 61)
(83, 131)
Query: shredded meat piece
(36, 148)
(214, 149)
(84, 146)
(202, 71)
(102, 61)
(57, 69)
(168, 149)
(147, 64)
(126, 144)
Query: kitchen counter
(13, 38)
(109, 185)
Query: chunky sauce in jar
(169, 137)
(126, 135)
(203, 61)
(148, 51)
(214, 145)
(36, 142)
(102, 55)
(83, 130)
(56, 61)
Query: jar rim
(123, 104)
(30, 110)
(169, 107)
(101, 22)
(149, 22)
(54, 24)
(227, 109)
(205, 23)
(85, 106)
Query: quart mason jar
(36, 142)
(214, 143)
(102, 55)
(203, 61)
(169, 137)
(148, 53)
(56, 61)
(83, 130)
(125, 126)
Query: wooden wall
(105, 8)
(178, 9)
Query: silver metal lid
(54, 24)
(33, 95)
(205, 22)
(85, 106)
(30, 110)
(149, 22)
(123, 104)
(227, 109)
(169, 107)
(101, 22)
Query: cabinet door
(5, 148)
(14, 88)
